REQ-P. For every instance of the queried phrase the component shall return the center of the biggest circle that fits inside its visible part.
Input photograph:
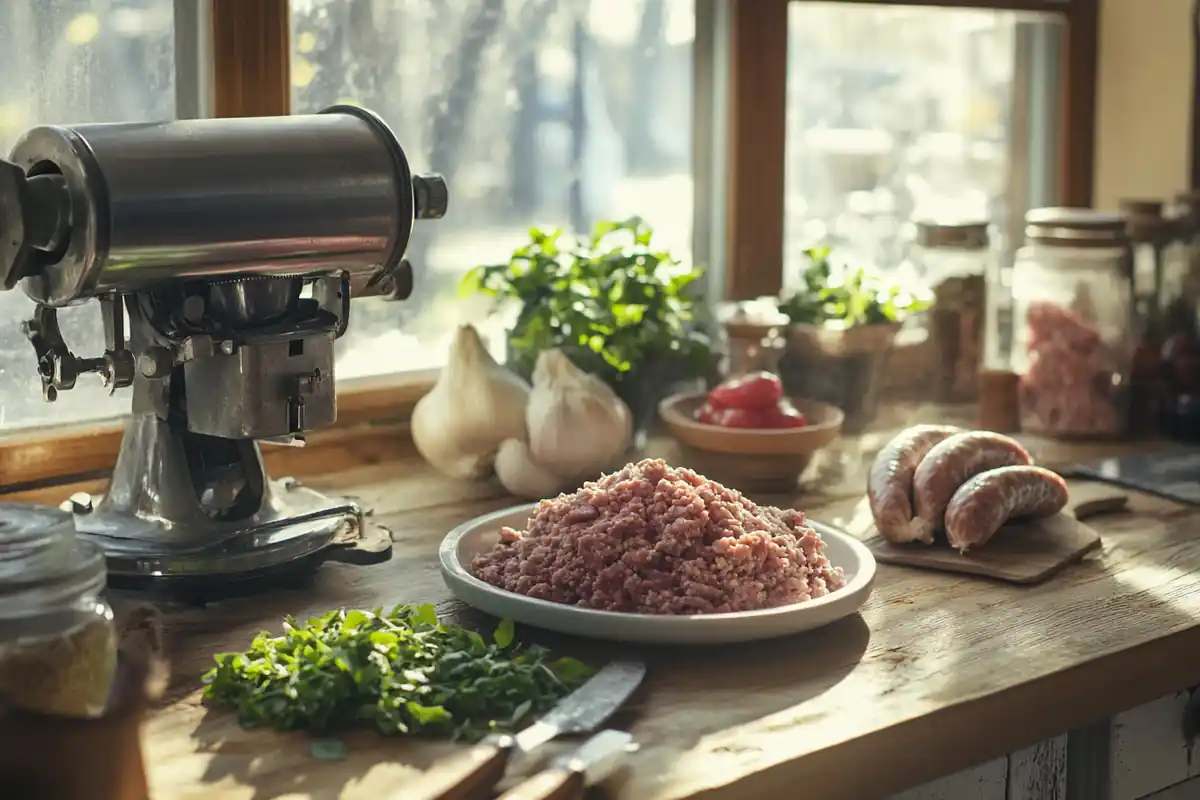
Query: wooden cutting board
(1025, 553)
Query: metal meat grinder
(224, 254)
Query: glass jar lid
(962, 234)
(1138, 207)
(1147, 222)
(42, 561)
(1077, 227)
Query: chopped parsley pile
(402, 672)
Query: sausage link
(890, 481)
(951, 463)
(986, 502)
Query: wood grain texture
(1148, 751)
(252, 58)
(1188, 790)
(555, 783)
(1080, 68)
(988, 781)
(757, 148)
(1039, 772)
(1027, 552)
(936, 675)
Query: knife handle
(555, 783)
(469, 775)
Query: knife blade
(474, 772)
(586, 708)
(569, 775)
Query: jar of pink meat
(1075, 323)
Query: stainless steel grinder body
(216, 199)
(232, 248)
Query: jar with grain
(58, 644)
(953, 260)
(1074, 317)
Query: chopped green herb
(402, 672)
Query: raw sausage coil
(890, 481)
(984, 503)
(951, 463)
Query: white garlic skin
(472, 408)
(577, 425)
(521, 475)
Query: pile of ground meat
(653, 539)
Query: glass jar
(952, 262)
(755, 337)
(1074, 322)
(58, 644)
(1157, 292)
(1181, 270)
(999, 385)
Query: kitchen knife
(568, 776)
(476, 771)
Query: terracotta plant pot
(842, 367)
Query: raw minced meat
(655, 539)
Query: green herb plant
(848, 299)
(611, 301)
(403, 672)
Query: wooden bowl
(752, 460)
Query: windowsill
(35, 457)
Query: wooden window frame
(251, 50)
(757, 126)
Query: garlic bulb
(521, 475)
(475, 405)
(577, 424)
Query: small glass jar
(1150, 234)
(1074, 323)
(953, 260)
(58, 643)
(1153, 244)
(1181, 269)
(999, 385)
(755, 337)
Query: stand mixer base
(280, 546)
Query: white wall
(1144, 96)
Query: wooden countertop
(939, 672)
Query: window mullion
(756, 142)
(193, 59)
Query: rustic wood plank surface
(938, 673)
(1023, 552)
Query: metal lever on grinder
(59, 368)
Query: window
(903, 112)
(67, 62)
(539, 112)
(563, 112)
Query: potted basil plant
(619, 307)
(842, 326)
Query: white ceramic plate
(482, 533)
